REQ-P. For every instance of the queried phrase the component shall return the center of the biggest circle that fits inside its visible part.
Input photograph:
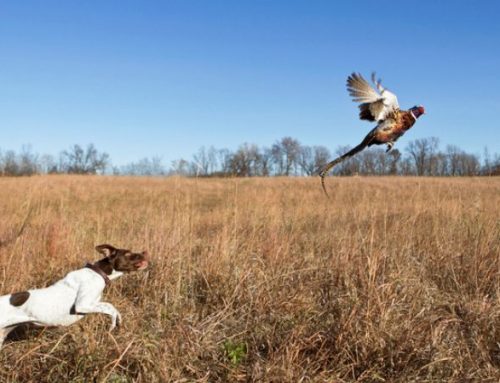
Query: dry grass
(393, 279)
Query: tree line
(286, 157)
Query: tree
(212, 160)
(495, 166)
(368, 162)
(286, 157)
(285, 154)
(440, 164)
(28, 162)
(245, 162)
(421, 151)
(224, 160)
(180, 167)
(277, 158)
(306, 160)
(266, 157)
(312, 159)
(321, 158)
(461, 163)
(290, 149)
(48, 164)
(394, 157)
(453, 154)
(144, 167)
(79, 161)
(10, 166)
(350, 166)
(487, 168)
(201, 162)
(469, 165)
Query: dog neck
(115, 274)
(95, 267)
(105, 269)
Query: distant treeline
(286, 157)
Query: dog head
(122, 260)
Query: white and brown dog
(70, 298)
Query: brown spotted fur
(19, 299)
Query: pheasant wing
(376, 104)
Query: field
(392, 279)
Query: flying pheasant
(381, 106)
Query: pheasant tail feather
(342, 158)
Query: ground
(391, 279)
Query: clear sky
(144, 78)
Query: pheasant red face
(418, 111)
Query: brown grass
(392, 279)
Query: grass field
(392, 279)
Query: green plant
(236, 352)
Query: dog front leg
(102, 308)
(3, 334)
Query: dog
(69, 299)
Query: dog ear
(106, 250)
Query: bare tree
(321, 157)
(394, 158)
(312, 159)
(285, 157)
(10, 166)
(212, 160)
(80, 161)
(349, 167)
(487, 168)
(306, 160)
(180, 167)
(224, 160)
(440, 164)
(461, 163)
(291, 150)
(245, 162)
(285, 154)
(469, 165)
(277, 158)
(495, 166)
(421, 151)
(144, 167)
(200, 160)
(406, 167)
(28, 162)
(48, 164)
(368, 162)
(453, 153)
(266, 157)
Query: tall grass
(392, 279)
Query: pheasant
(381, 106)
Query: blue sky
(144, 78)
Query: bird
(376, 104)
